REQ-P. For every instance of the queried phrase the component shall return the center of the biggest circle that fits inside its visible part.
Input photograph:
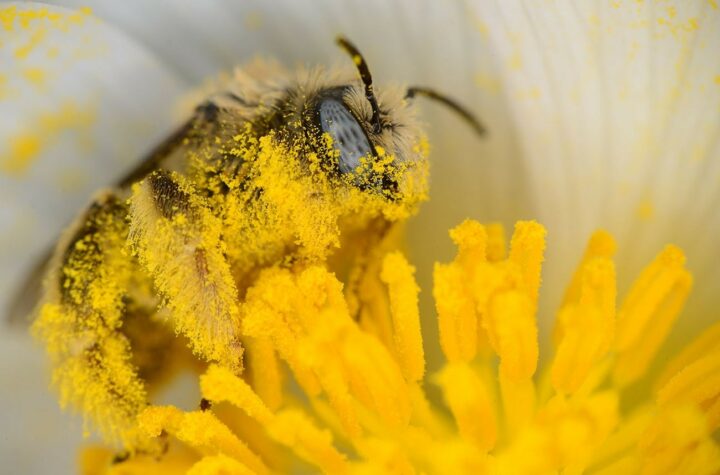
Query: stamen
(471, 404)
(526, 251)
(457, 318)
(585, 327)
(699, 384)
(398, 275)
(219, 464)
(200, 430)
(648, 312)
(289, 427)
(705, 344)
(265, 370)
(679, 441)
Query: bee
(272, 169)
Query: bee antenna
(462, 111)
(366, 77)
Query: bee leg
(179, 242)
(80, 319)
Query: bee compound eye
(347, 134)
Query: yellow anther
(678, 441)
(518, 402)
(705, 344)
(457, 318)
(511, 324)
(219, 465)
(648, 313)
(471, 239)
(200, 430)
(526, 251)
(698, 384)
(471, 404)
(295, 430)
(585, 327)
(376, 379)
(398, 275)
(265, 372)
(601, 245)
(219, 384)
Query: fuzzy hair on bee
(273, 168)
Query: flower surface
(601, 115)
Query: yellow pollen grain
(33, 42)
(7, 17)
(398, 275)
(36, 76)
(26, 147)
(24, 150)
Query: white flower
(600, 115)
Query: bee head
(336, 128)
(371, 146)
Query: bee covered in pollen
(273, 169)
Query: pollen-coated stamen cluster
(328, 393)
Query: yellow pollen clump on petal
(326, 391)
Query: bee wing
(23, 305)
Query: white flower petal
(37, 438)
(600, 113)
(616, 108)
(79, 104)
